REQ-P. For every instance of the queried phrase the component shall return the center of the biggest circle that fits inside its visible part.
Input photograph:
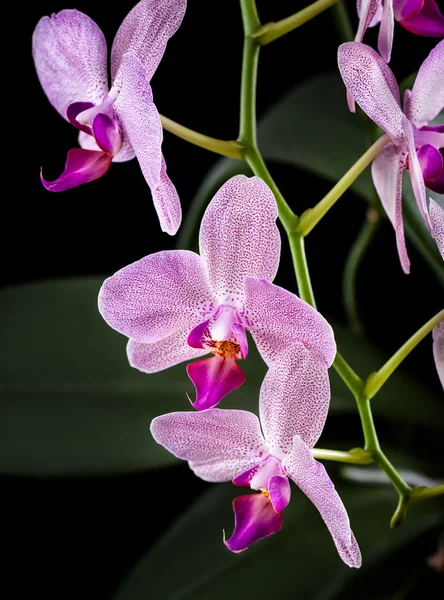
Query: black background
(77, 538)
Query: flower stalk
(272, 31)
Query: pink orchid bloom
(224, 445)
(415, 146)
(438, 350)
(422, 17)
(177, 305)
(115, 124)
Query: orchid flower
(422, 17)
(223, 445)
(115, 124)
(438, 350)
(415, 146)
(177, 305)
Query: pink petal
(70, 58)
(219, 444)
(385, 38)
(145, 32)
(240, 333)
(277, 318)
(71, 114)
(311, 477)
(280, 492)
(156, 296)
(373, 86)
(438, 349)
(415, 173)
(428, 22)
(294, 398)
(427, 98)
(437, 221)
(387, 170)
(106, 134)
(369, 12)
(254, 519)
(214, 378)
(170, 351)
(141, 124)
(81, 166)
(403, 9)
(239, 237)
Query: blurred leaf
(71, 404)
(312, 128)
(190, 562)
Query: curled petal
(311, 477)
(214, 378)
(170, 351)
(280, 492)
(277, 318)
(431, 161)
(373, 86)
(145, 32)
(438, 350)
(156, 296)
(294, 398)
(141, 124)
(415, 173)
(81, 166)
(69, 52)
(219, 444)
(427, 97)
(71, 114)
(240, 334)
(428, 22)
(106, 134)
(437, 221)
(385, 38)
(387, 170)
(370, 12)
(239, 237)
(254, 519)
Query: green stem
(311, 217)
(247, 125)
(272, 31)
(355, 256)
(423, 492)
(301, 267)
(231, 149)
(348, 376)
(342, 22)
(356, 456)
(377, 380)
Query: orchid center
(227, 349)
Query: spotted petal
(387, 170)
(141, 124)
(277, 318)
(239, 237)
(170, 351)
(70, 57)
(438, 350)
(427, 97)
(312, 479)
(219, 444)
(373, 86)
(437, 221)
(145, 32)
(385, 38)
(156, 296)
(294, 398)
(254, 519)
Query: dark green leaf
(190, 562)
